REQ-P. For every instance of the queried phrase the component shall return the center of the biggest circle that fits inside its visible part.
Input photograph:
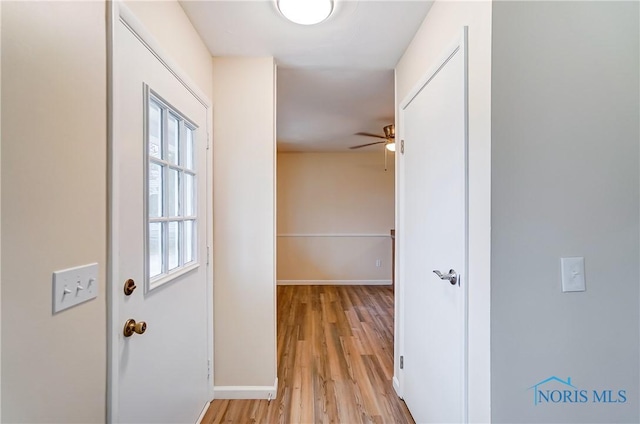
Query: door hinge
(208, 138)
(208, 255)
(402, 362)
(208, 369)
(402, 146)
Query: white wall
(244, 223)
(321, 198)
(442, 26)
(54, 158)
(565, 136)
(53, 208)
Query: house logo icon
(539, 395)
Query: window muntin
(171, 184)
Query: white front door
(433, 236)
(159, 229)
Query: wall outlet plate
(74, 286)
(573, 279)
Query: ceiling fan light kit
(307, 12)
(389, 138)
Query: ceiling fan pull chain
(385, 159)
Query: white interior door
(434, 215)
(159, 224)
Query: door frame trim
(118, 12)
(460, 44)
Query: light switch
(572, 274)
(74, 286)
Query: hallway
(335, 360)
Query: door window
(171, 181)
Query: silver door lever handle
(451, 276)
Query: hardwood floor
(335, 361)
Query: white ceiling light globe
(305, 12)
(391, 147)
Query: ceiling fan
(389, 141)
(389, 138)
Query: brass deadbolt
(131, 326)
(129, 287)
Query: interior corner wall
(565, 183)
(442, 26)
(335, 211)
(54, 192)
(244, 225)
(171, 27)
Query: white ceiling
(334, 78)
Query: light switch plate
(74, 286)
(573, 279)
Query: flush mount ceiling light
(305, 12)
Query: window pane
(155, 249)
(172, 192)
(172, 139)
(188, 150)
(173, 244)
(155, 190)
(189, 197)
(155, 130)
(189, 251)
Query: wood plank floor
(335, 361)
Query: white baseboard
(396, 387)
(334, 282)
(246, 392)
(204, 411)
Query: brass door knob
(131, 326)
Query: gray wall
(565, 182)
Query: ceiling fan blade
(368, 144)
(371, 135)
